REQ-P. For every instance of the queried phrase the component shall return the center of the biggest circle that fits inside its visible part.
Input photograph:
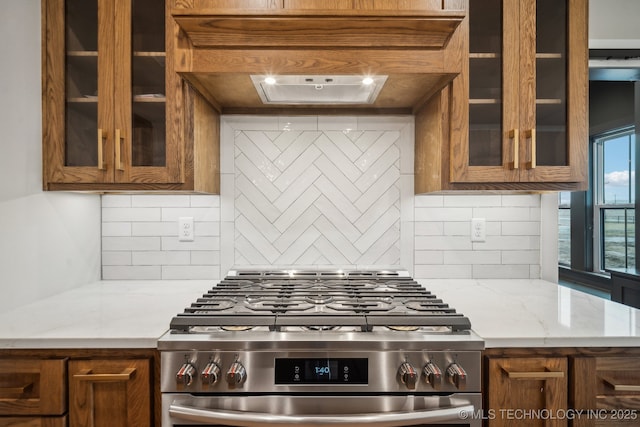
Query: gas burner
(404, 328)
(318, 299)
(206, 305)
(287, 286)
(432, 306)
(362, 306)
(320, 328)
(236, 328)
(276, 305)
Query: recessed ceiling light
(367, 81)
(270, 80)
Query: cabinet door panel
(527, 384)
(114, 393)
(32, 387)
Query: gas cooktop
(289, 300)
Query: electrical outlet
(478, 230)
(185, 229)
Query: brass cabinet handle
(534, 376)
(13, 392)
(531, 134)
(101, 136)
(514, 134)
(119, 139)
(621, 387)
(86, 375)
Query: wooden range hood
(421, 51)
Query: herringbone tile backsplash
(319, 192)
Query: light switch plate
(478, 230)
(185, 229)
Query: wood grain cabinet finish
(516, 385)
(113, 393)
(526, 90)
(112, 106)
(33, 422)
(610, 384)
(32, 387)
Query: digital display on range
(321, 371)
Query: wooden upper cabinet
(528, 95)
(114, 393)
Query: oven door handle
(378, 419)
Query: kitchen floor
(587, 289)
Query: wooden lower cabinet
(110, 393)
(79, 388)
(526, 392)
(607, 390)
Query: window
(564, 228)
(614, 200)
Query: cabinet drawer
(32, 387)
(33, 422)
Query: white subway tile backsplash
(320, 192)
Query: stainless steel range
(333, 348)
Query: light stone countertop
(537, 313)
(506, 313)
(107, 314)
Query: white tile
(445, 243)
(430, 201)
(227, 149)
(389, 179)
(342, 141)
(389, 201)
(255, 177)
(443, 214)
(198, 214)
(131, 272)
(227, 194)
(160, 201)
(296, 169)
(383, 122)
(525, 200)
(503, 213)
(521, 228)
(115, 201)
(407, 249)
(190, 272)
(472, 257)
(407, 212)
(521, 257)
(130, 243)
(207, 228)
(443, 271)
(130, 214)
(258, 146)
(205, 258)
(154, 228)
(429, 257)
(201, 243)
(407, 149)
(116, 258)
(297, 123)
(251, 122)
(338, 158)
(472, 200)
(429, 228)
(388, 220)
(205, 201)
(116, 229)
(504, 243)
(382, 169)
(337, 122)
(161, 258)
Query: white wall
(48, 242)
(613, 24)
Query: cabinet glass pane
(485, 83)
(81, 85)
(551, 77)
(148, 80)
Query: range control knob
(457, 376)
(186, 374)
(210, 374)
(432, 375)
(236, 375)
(408, 375)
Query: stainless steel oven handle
(380, 419)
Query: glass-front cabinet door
(527, 92)
(105, 103)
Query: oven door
(336, 410)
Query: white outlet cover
(478, 230)
(185, 229)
